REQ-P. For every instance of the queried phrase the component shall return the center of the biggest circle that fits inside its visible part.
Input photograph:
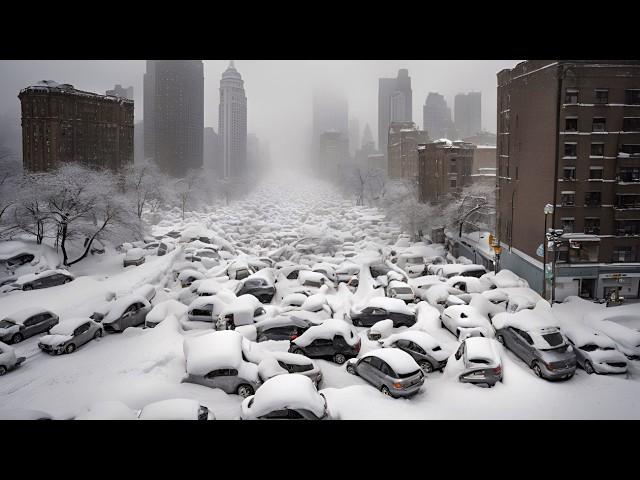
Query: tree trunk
(63, 244)
(88, 245)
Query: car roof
(20, 316)
(399, 360)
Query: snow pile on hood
(329, 329)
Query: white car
(134, 256)
(286, 397)
(401, 290)
(595, 352)
(424, 349)
(464, 321)
(627, 340)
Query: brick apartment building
(569, 135)
(62, 124)
(443, 167)
(402, 148)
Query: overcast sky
(279, 93)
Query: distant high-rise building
(330, 113)
(253, 152)
(119, 91)
(367, 138)
(138, 143)
(436, 117)
(404, 138)
(232, 123)
(468, 113)
(333, 154)
(354, 135)
(62, 124)
(174, 114)
(394, 104)
(211, 151)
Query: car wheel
(386, 391)
(70, 348)
(351, 369)
(588, 367)
(98, 333)
(245, 391)
(536, 369)
(339, 358)
(27, 287)
(500, 338)
(426, 366)
(17, 338)
(66, 280)
(3, 370)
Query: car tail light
(397, 385)
(293, 336)
(497, 370)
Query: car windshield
(415, 260)
(407, 375)
(554, 339)
(483, 361)
(402, 290)
(6, 323)
(310, 283)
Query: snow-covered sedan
(26, 323)
(465, 320)
(390, 370)
(382, 308)
(69, 335)
(282, 363)
(128, 311)
(8, 359)
(44, 279)
(400, 290)
(424, 349)
(595, 352)
(291, 397)
(334, 339)
(477, 361)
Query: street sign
(540, 251)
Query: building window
(568, 199)
(629, 174)
(452, 166)
(595, 173)
(452, 183)
(627, 227)
(597, 149)
(592, 225)
(631, 124)
(569, 173)
(567, 224)
(622, 254)
(630, 148)
(599, 124)
(571, 124)
(571, 149)
(601, 95)
(571, 95)
(632, 97)
(593, 199)
(628, 201)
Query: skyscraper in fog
(232, 123)
(394, 104)
(436, 117)
(330, 113)
(174, 114)
(468, 113)
(354, 135)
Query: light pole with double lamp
(548, 210)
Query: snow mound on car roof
(213, 351)
(69, 325)
(400, 361)
(422, 339)
(291, 391)
(540, 317)
(20, 316)
(118, 307)
(172, 409)
(162, 310)
(394, 305)
(327, 330)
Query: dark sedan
(259, 288)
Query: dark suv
(336, 348)
(259, 288)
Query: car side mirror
(463, 315)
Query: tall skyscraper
(232, 123)
(436, 116)
(211, 149)
(394, 104)
(468, 113)
(174, 114)
(330, 113)
(354, 135)
(367, 138)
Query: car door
(127, 317)
(405, 345)
(139, 315)
(364, 368)
(418, 353)
(224, 379)
(81, 334)
(376, 374)
(519, 347)
(30, 326)
(323, 347)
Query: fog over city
(279, 92)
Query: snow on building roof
(213, 351)
(118, 307)
(390, 304)
(20, 316)
(481, 348)
(290, 391)
(327, 330)
(69, 325)
(172, 409)
(400, 361)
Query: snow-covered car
(326, 269)
(505, 279)
(215, 360)
(457, 269)
(69, 335)
(188, 276)
(477, 361)
(413, 264)
(627, 340)
(347, 272)
(17, 259)
(128, 311)
(390, 370)
(134, 256)
(424, 283)
(243, 310)
(239, 270)
(400, 290)
(147, 290)
(469, 284)
(207, 309)
(533, 335)
(312, 280)
(107, 410)
(286, 397)
(163, 310)
(260, 285)
(44, 279)
(284, 327)
(176, 409)
(382, 308)
(26, 323)
(8, 359)
(380, 329)
(295, 299)
(334, 339)
(465, 320)
(595, 352)
(291, 272)
(424, 349)
(164, 247)
(281, 363)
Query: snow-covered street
(284, 227)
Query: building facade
(569, 136)
(330, 111)
(62, 124)
(468, 113)
(394, 104)
(444, 167)
(119, 91)
(211, 152)
(232, 123)
(174, 114)
(402, 150)
(333, 154)
(436, 117)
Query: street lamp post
(548, 210)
